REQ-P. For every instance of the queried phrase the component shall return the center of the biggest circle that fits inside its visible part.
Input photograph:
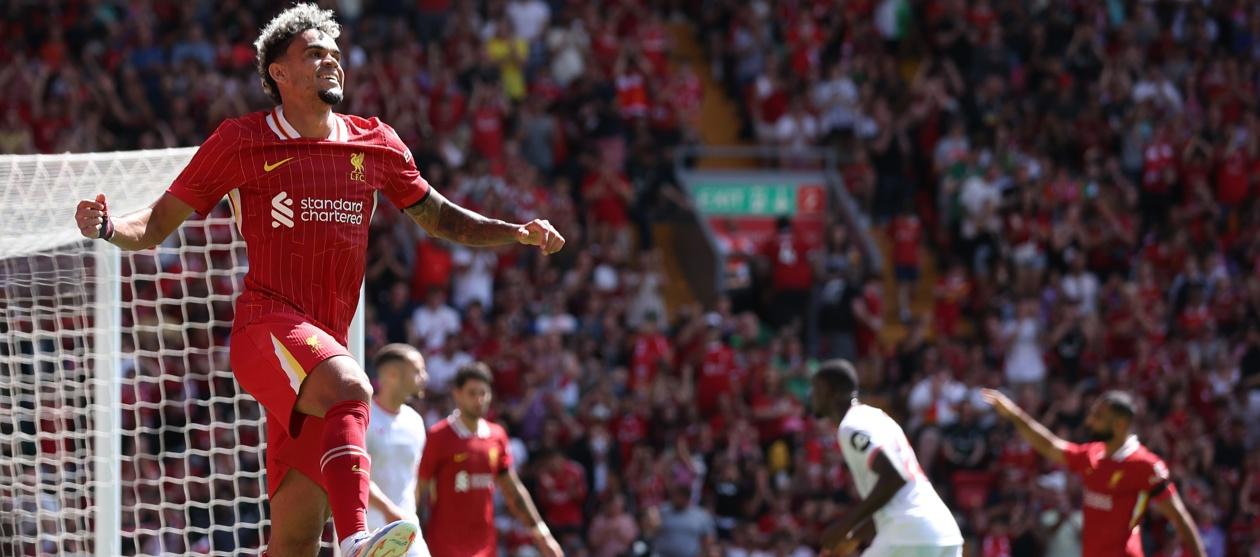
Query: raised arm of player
(141, 229)
(1175, 512)
(1046, 443)
(842, 537)
(208, 176)
(522, 507)
(442, 218)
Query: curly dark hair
(475, 371)
(275, 37)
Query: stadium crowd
(1079, 176)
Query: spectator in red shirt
(868, 310)
(649, 352)
(654, 40)
(997, 541)
(906, 232)
(561, 494)
(608, 194)
(632, 92)
(791, 275)
(716, 376)
(1159, 175)
(1195, 321)
(953, 289)
(1233, 172)
(487, 109)
(686, 93)
(630, 427)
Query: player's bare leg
(299, 510)
(338, 391)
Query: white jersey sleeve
(860, 442)
(915, 515)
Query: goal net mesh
(180, 463)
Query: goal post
(106, 431)
(122, 429)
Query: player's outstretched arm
(1042, 440)
(843, 536)
(438, 216)
(142, 229)
(522, 507)
(1175, 512)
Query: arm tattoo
(440, 217)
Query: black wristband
(107, 228)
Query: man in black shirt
(964, 446)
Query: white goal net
(122, 430)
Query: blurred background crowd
(1064, 193)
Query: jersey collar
(483, 428)
(1126, 450)
(285, 131)
(378, 404)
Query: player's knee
(335, 380)
(357, 388)
(345, 387)
(349, 383)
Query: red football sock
(346, 465)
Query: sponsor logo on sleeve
(860, 441)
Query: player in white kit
(395, 439)
(909, 517)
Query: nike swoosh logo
(273, 166)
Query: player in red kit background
(1120, 475)
(303, 182)
(465, 458)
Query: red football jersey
(303, 206)
(647, 353)
(463, 466)
(563, 494)
(1159, 157)
(906, 232)
(717, 376)
(1117, 490)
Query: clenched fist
(90, 215)
(539, 232)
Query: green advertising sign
(745, 199)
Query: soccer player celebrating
(465, 458)
(1120, 475)
(302, 181)
(909, 517)
(395, 439)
